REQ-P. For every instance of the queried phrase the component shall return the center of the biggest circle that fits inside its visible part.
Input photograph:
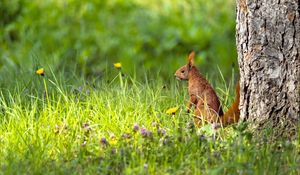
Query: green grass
(59, 124)
(50, 125)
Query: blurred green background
(85, 38)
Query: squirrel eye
(182, 71)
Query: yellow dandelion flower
(172, 110)
(113, 140)
(40, 71)
(118, 65)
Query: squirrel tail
(233, 113)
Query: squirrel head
(183, 72)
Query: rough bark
(268, 44)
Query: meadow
(82, 114)
(122, 126)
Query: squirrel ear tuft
(191, 58)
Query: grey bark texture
(268, 44)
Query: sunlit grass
(83, 116)
(124, 129)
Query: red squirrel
(204, 98)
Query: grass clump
(121, 127)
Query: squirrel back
(204, 98)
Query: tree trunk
(268, 44)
